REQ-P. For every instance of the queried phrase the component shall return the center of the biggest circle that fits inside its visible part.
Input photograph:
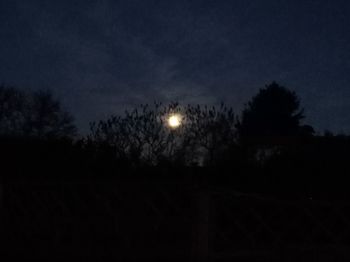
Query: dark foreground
(60, 201)
(166, 219)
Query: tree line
(206, 135)
(268, 142)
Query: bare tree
(140, 135)
(12, 111)
(144, 136)
(34, 114)
(45, 117)
(212, 129)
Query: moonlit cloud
(101, 57)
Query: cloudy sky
(102, 56)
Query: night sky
(100, 57)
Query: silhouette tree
(212, 131)
(140, 136)
(33, 114)
(143, 135)
(46, 119)
(12, 111)
(272, 116)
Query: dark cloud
(103, 56)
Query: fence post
(201, 225)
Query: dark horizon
(100, 57)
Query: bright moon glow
(174, 121)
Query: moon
(174, 121)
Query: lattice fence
(167, 221)
(248, 226)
